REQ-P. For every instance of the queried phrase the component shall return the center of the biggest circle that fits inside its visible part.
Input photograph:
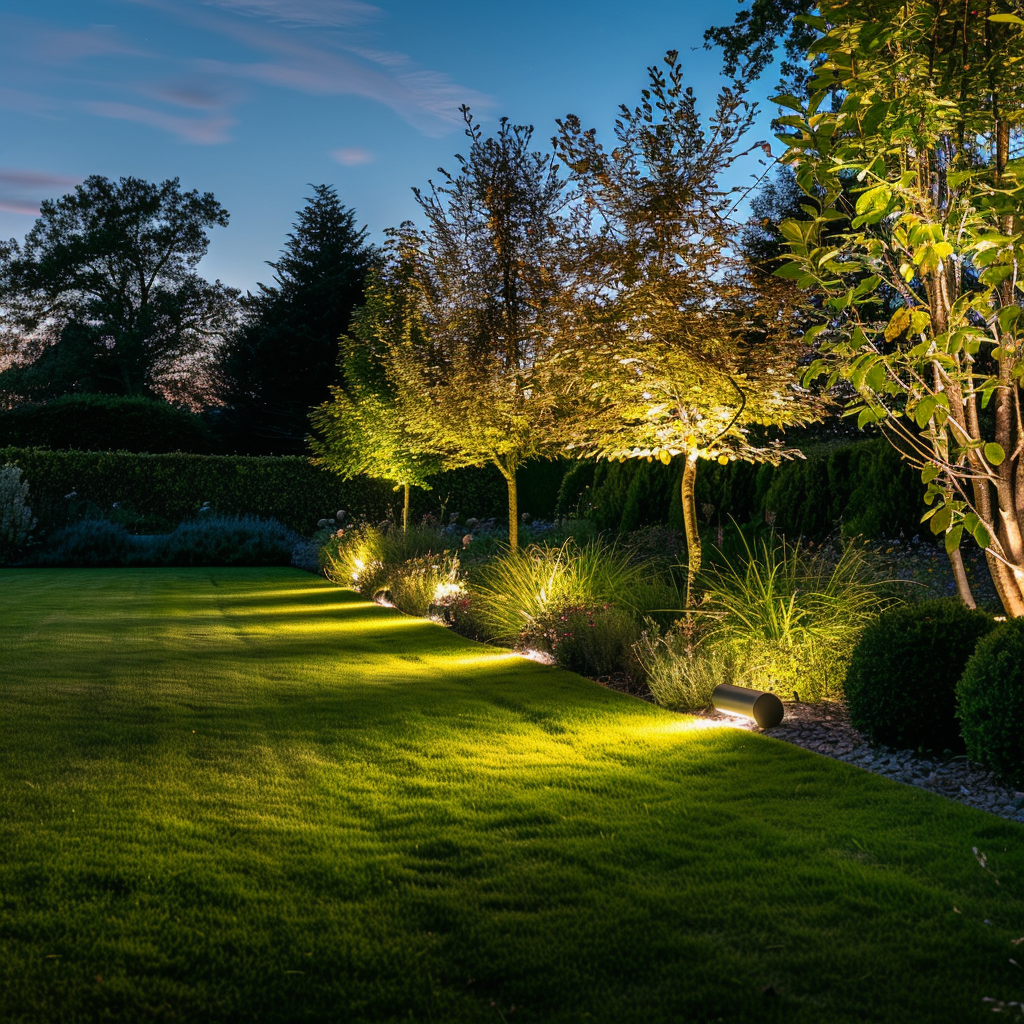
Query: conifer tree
(283, 360)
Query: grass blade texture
(247, 795)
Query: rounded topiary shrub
(901, 683)
(990, 702)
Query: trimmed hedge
(903, 674)
(990, 702)
(105, 422)
(167, 489)
(863, 487)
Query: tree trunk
(513, 506)
(963, 588)
(693, 549)
(405, 510)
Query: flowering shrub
(16, 521)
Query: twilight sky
(254, 99)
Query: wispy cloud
(206, 131)
(28, 102)
(21, 189)
(68, 47)
(352, 156)
(304, 13)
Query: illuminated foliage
(682, 353)
(920, 283)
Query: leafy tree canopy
(917, 162)
(103, 295)
(479, 386)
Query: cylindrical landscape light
(764, 708)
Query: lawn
(247, 795)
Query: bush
(791, 619)
(583, 604)
(16, 522)
(220, 541)
(681, 673)
(861, 486)
(429, 583)
(903, 673)
(522, 592)
(990, 702)
(90, 544)
(223, 540)
(364, 557)
(105, 423)
(593, 641)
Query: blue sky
(254, 99)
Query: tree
(282, 361)
(753, 39)
(103, 295)
(932, 95)
(667, 333)
(484, 286)
(361, 431)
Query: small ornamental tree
(479, 388)
(361, 431)
(683, 355)
(921, 283)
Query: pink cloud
(21, 189)
(13, 206)
(304, 13)
(352, 156)
(206, 132)
(64, 47)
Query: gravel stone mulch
(825, 729)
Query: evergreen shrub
(902, 679)
(862, 487)
(990, 702)
(89, 544)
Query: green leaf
(953, 539)
(929, 473)
(981, 536)
(994, 453)
(941, 520)
(1006, 19)
(790, 271)
(875, 377)
(922, 414)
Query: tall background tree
(683, 353)
(281, 363)
(485, 287)
(103, 296)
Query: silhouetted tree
(103, 295)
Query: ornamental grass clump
(790, 618)
(584, 604)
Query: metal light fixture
(764, 708)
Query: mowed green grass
(247, 795)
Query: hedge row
(861, 488)
(162, 490)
